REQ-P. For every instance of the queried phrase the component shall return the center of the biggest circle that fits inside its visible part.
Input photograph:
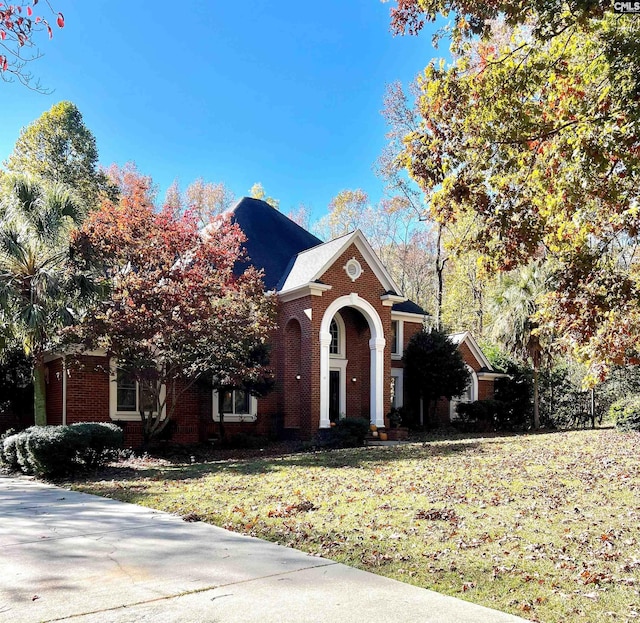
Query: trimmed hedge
(626, 413)
(54, 451)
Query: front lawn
(544, 526)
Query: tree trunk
(440, 277)
(39, 394)
(536, 399)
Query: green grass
(544, 526)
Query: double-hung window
(237, 406)
(128, 396)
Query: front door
(334, 395)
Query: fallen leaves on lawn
(544, 526)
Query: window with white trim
(334, 347)
(395, 347)
(127, 396)
(237, 406)
(396, 340)
(337, 330)
(397, 387)
(470, 393)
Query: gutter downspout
(64, 390)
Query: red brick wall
(292, 350)
(54, 391)
(290, 384)
(485, 389)
(88, 390)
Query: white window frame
(398, 374)
(127, 416)
(399, 340)
(472, 388)
(342, 344)
(252, 416)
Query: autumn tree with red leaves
(19, 27)
(176, 313)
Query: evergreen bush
(54, 451)
(626, 413)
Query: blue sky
(283, 93)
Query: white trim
(357, 238)
(127, 416)
(408, 317)
(75, 350)
(399, 338)
(341, 366)
(252, 416)
(342, 338)
(398, 373)
(491, 375)
(389, 300)
(473, 394)
(308, 289)
(376, 345)
(466, 337)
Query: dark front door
(334, 395)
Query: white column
(325, 342)
(377, 380)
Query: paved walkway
(67, 556)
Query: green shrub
(626, 413)
(8, 456)
(348, 432)
(485, 415)
(54, 451)
(22, 453)
(101, 442)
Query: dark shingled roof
(409, 307)
(273, 240)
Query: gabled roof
(467, 338)
(308, 266)
(272, 238)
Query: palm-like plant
(515, 304)
(38, 287)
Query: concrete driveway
(67, 556)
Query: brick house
(343, 325)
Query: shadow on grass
(430, 445)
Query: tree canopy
(177, 312)
(533, 131)
(58, 147)
(434, 368)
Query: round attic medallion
(353, 268)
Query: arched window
(337, 348)
(334, 347)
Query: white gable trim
(308, 289)
(356, 238)
(479, 356)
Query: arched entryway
(376, 347)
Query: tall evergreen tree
(58, 147)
